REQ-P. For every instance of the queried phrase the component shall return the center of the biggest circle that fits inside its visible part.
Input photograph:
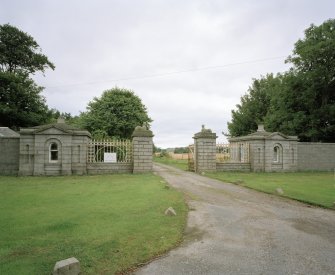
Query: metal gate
(191, 157)
(109, 151)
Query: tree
(19, 52)
(21, 102)
(253, 107)
(115, 114)
(300, 101)
(313, 61)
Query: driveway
(235, 230)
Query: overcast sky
(189, 61)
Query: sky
(189, 61)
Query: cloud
(146, 45)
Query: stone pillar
(205, 151)
(142, 150)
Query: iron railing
(233, 152)
(110, 151)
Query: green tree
(300, 101)
(115, 114)
(313, 61)
(19, 52)
(254, 106)
(21, 102)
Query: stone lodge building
(261, 151)
(61, 149)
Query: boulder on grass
(68, 266)
(279, 191)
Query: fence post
(205, 151)
(142, 149)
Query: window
(53, 152)
(276, 154)
(27, 154)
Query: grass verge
(110, 223)
(177, 163)
(317, 188)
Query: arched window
(276, 154)
(53, 152)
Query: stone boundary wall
(313, 156)
(9, 160)
(238, 167)
(109, 168)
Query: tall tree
(313, 59)
(254, 106)
(300, 101)
(19, 52)
(115, 114)
(287, 109)
(21, 102)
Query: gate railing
(233, 152)
(191, 166)
(110, 151)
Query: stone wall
(316, 156)
(240, 167)
(31, 154)
(9, 159)
(109, 168)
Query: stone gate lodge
(61, 149)
(259, 152)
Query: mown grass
(110, 223)
(177, 163)
(317, 188)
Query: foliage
(69, 119)
(314, 61)
(311, 187)
(254, 106)
(21, 102)
(181, 150)
(177, 163)
(107, 222)
(300, 101)
(157, 149)
(115, 114)
(19, 52)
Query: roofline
(37, 131)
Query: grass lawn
(178, 163)
(109, 223)
(312, 187)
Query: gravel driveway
(235, 230)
